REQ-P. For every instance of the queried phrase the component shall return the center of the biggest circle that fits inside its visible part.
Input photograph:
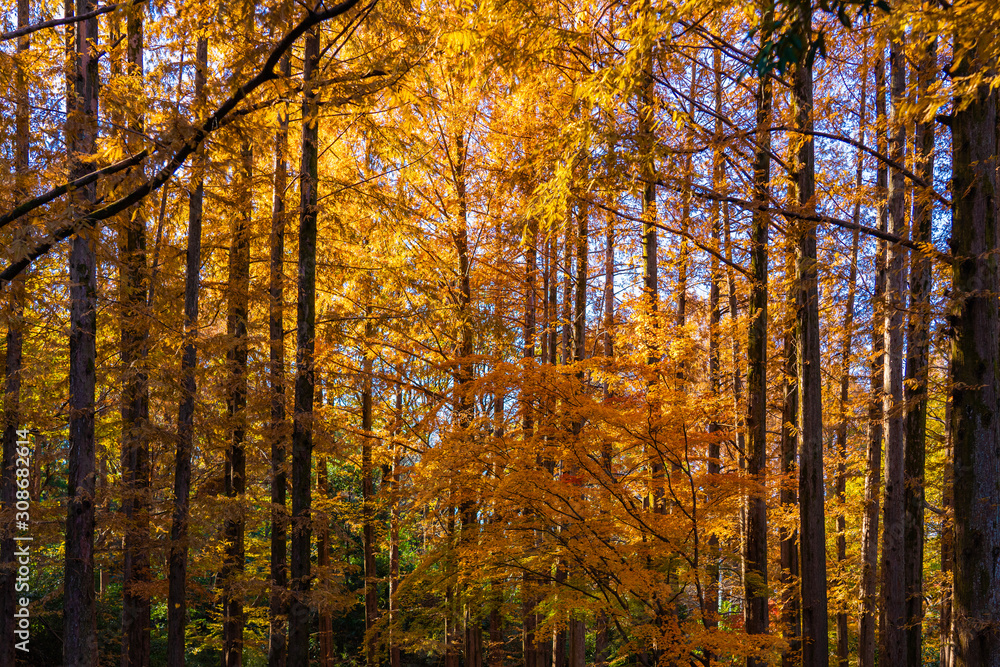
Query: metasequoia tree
(513, 439)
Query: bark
(843, 636)
(892, 633)
(13, 361)
(177, 593)
(812, 539)
(133, 295)
(236, 400)
(394, 496)
(788, 538)
(873, 455)
(710, 603)
(755, 548)
(302, 426)
(368, 492)
(276, 376)
(975, 349)
(79, 605)
(326, 647)
(917, 364)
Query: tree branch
(52, 23)
(213, 122)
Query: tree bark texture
(976, 377)
(305, 382)
(79, 606)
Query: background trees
(577, 322)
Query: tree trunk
(975, 349)
(812, 540)
(302, 427)
(892, 633)
(873, 464)
(368, 491)
(394, 497)
(843, 637)
(13, 360)
(917, 364)
(177, 594)
(277, 648)
(236, 400)
(326, 647)
(755, 549)
(945, 633)
(788, 538)
(133, 294)
(79, 605)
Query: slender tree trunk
(755, 554)
(276, 375)
(394, 497)
(236, 400)
(975, 350)
(305, 382)
(13, 358)
(843, 637)
(368, 492)
(788, 538)
(133, 295)
(326, 647)
(815, 642)
(917, 364)
(176, 597)
(892, 632)
(873, 464)
(79, 605)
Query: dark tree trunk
(279, 429)
(873, 456)
(975, 349)
(368, 493)
(236, 400)
(395, 656)
(917, 364)
(788, 538)
(892, 633)
(843, 637)
(755, 549)
(815, 642)
(177, 594)
(79, 604)
(305, 382)
(133, 294)
(13, 361)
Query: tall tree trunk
(394, 516)
(368, 491)
(326, 647)
(236, 400)
(177, 594)
(788, 538)
(133, 294)
(755, 551)
(305, 382)
(710, 604)
(13, 357)
(975, 350)
(79, 605)
(277, 648)
(873, 456)
(892, 633)
(815, 642)
(843, 636)
(917, 363)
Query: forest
(500, 332)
